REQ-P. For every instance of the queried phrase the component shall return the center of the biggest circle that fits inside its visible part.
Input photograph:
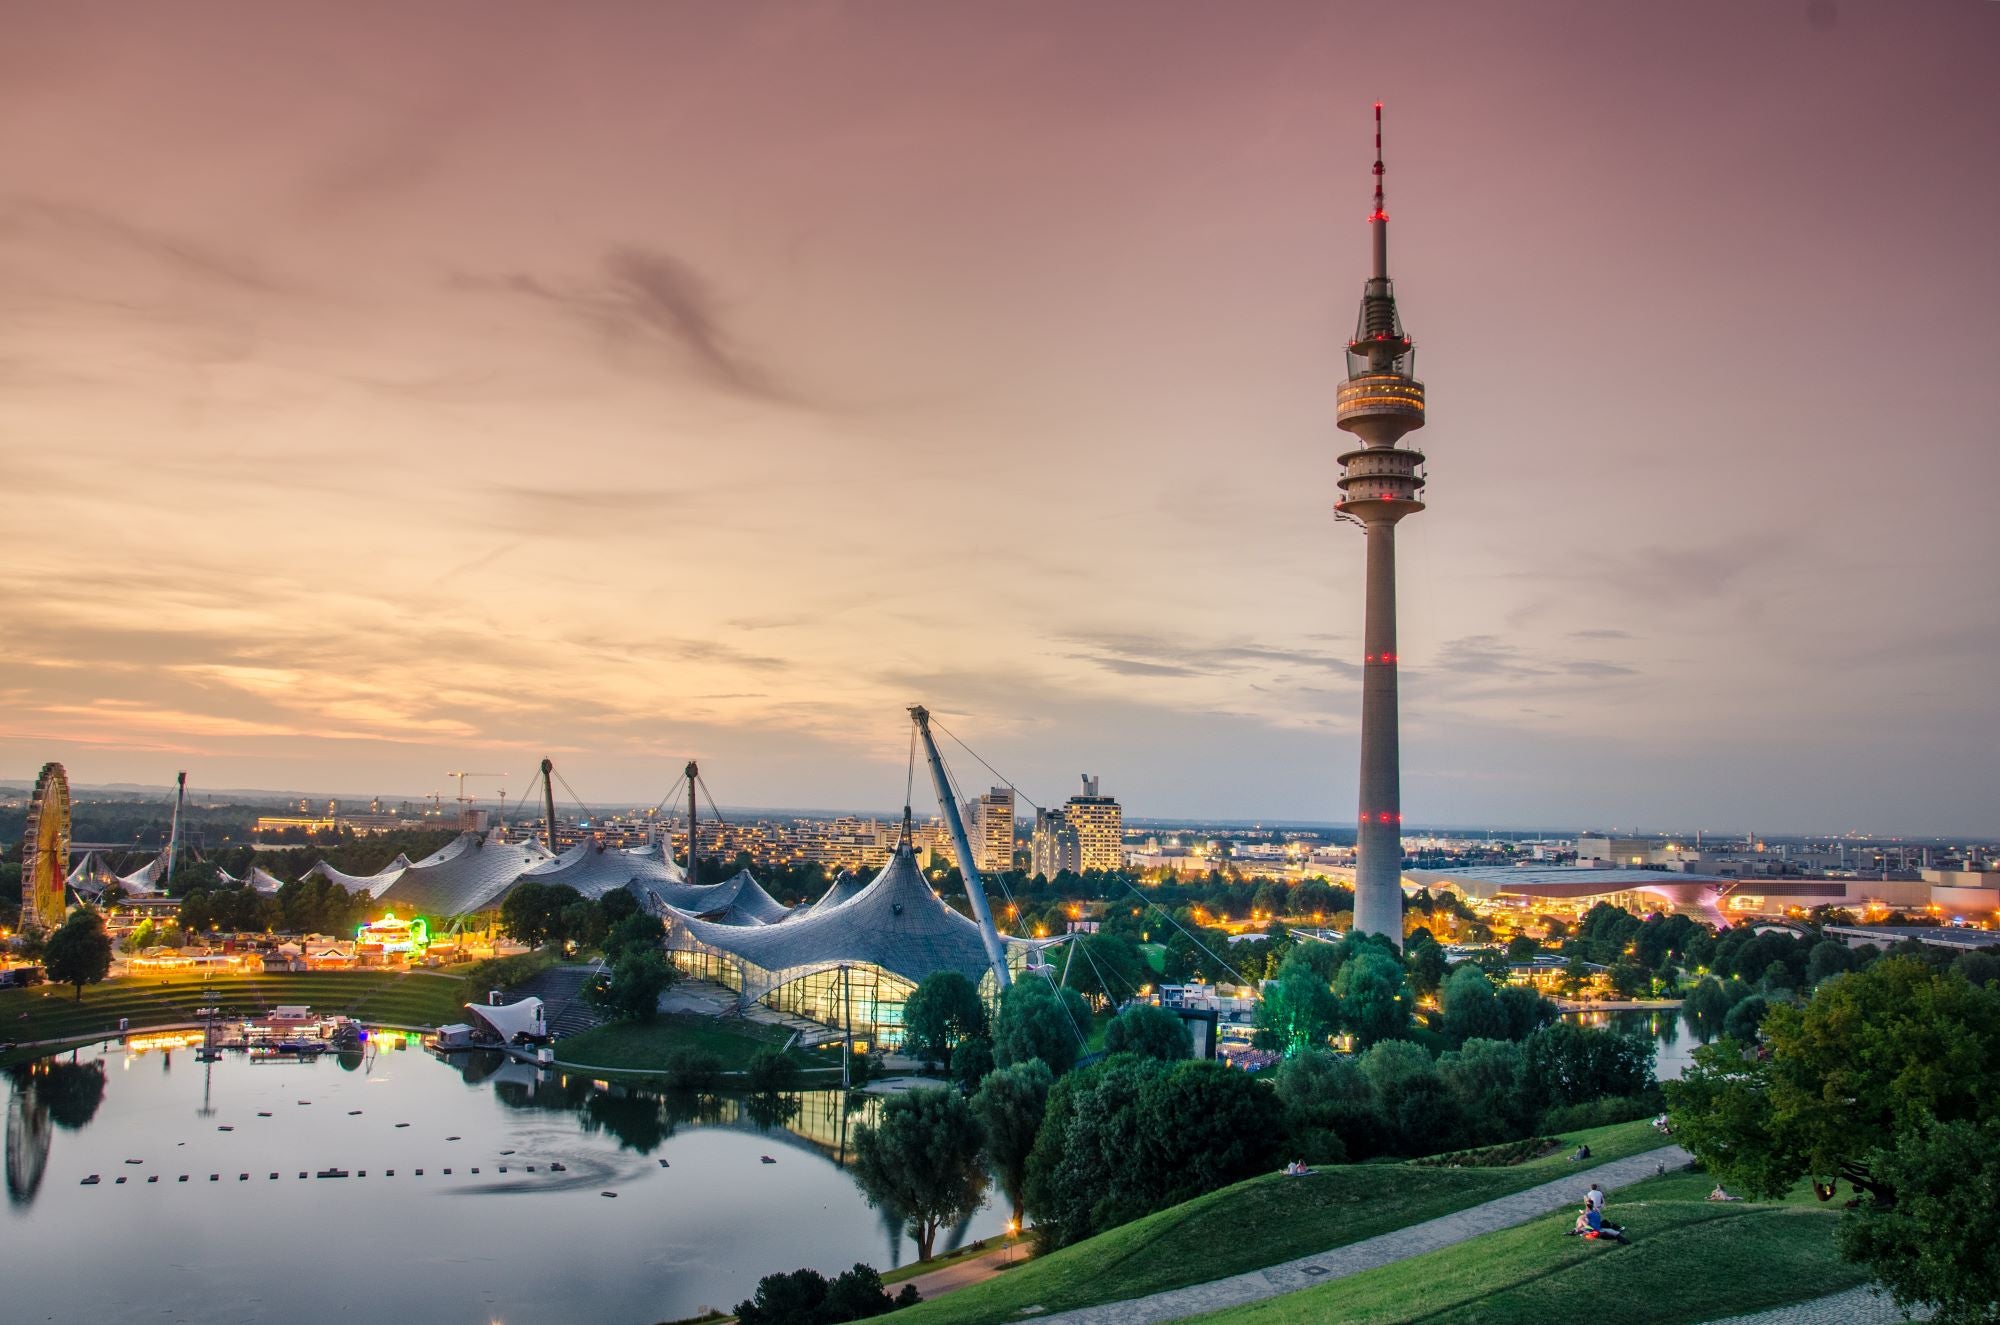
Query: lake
(476, 1244)
(1674, 1042)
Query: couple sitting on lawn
(1590, 1221)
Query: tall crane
(465, 801)
(975, 891)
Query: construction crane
(975, 891)
(465, 801)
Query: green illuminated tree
(1374, 1002)
(1298, 1010)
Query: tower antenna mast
(1380, 483)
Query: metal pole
(694, 856)
(975, 892)
(549, 801)
(174, 830)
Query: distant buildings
(1054, 846)
(1087, 833)
(989, 821)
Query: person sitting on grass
(1582, 1152)
(1719, 1195)
(1599, 1229)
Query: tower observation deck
(1380, 482)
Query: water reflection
(28, 1136)
(714, 1191)
(46, 1093)
(1660, 1025)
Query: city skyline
(422, 395)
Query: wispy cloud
(654, 299)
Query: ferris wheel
(45, 850)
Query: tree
(1874, 1055)
(637, 979)
(1707, 1006)
(771, 1072)
(1471, 1009)
(1036, 1021)
(1828, 958)
(1374, 1003)
(1927, 1245)
(1744, 1019)
(79, 952)
(636, 931)
(1485, 1077)
(944, 1010)
(922, 1161)
(1425, 961)
(1568, 1064)
(806, 1297)
(1132, 1135)
(1151, 1032)
(1010, 1105)
(1109, 966)
(1201, 1125)
(1330, 1111)
(1298, 1010)
(533, 912)
(1527, 1011)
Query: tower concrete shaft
(1381, 482)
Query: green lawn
(643, 1046)
(1257, 1223)
(1690, 1260)
(47, 1012)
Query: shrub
(694, 1070)
(771, 1071)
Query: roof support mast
(975, 891)
(174, 830)
(549, 801)
(693, 779)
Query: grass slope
(1691, 1260)
(408, 998)
(1257, 1223)
(642, 1046)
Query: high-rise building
(1380, 483)
(1099, 825)
(990, 820)
(1054, 846)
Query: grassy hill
(1691, 1260)
(1261, 1222)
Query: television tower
(1380, 483)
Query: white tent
(509, 1020)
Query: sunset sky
(387, 389)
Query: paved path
(1857, 1306)
(971, 1270)
(1504, 1212)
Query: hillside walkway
(1385, 1249)
(1865, 1305)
